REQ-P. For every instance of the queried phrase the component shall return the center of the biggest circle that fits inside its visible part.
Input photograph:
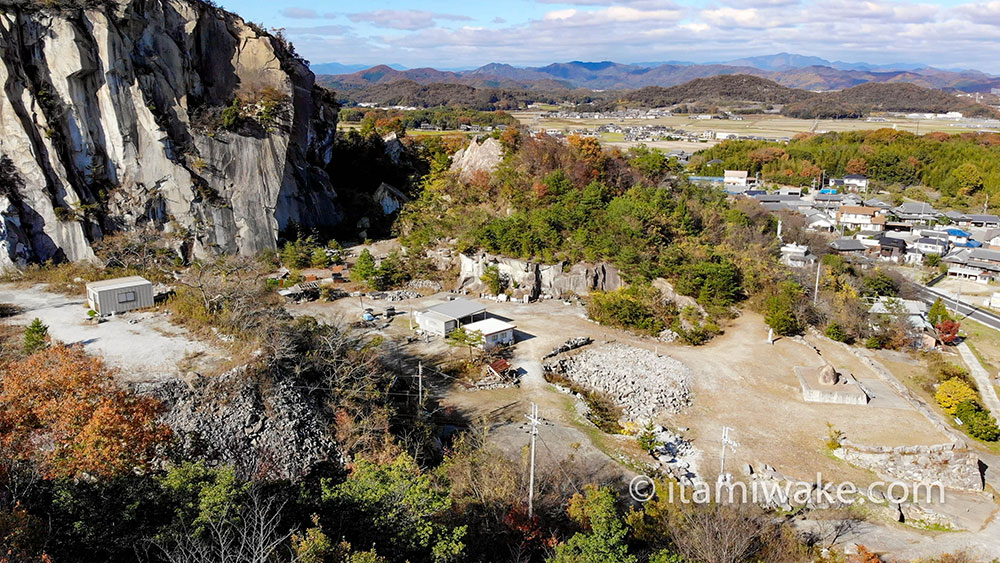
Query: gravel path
(983, 381)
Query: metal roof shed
(459, 309)
(120, 294)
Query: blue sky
(449, 34)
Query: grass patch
(604, 413)
(599, 439)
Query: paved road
(928, 295)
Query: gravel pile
(399, 295)
(422, 284)
(643, 383)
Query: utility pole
(726, 441)
(819, 266)
(420, 383)
(533, 418)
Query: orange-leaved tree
(61, 408)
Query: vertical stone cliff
(122, 116)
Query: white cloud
(643, 30)
(409, 20)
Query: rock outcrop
(116, 117)
(534, 280)
(477, 157)
(273, 429)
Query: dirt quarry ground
(143, 346)
(739, 381)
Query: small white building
(797, 255)
(445, 317)
(494, 331)
(119, 295)
(738, 181)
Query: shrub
(637, 308)
(711, 283)
(232, 114)
(779, 309)
(364, 267)
(647, 439)
(954, 392)
(836, 332)
(977, 421)
(35, 336)
(494, 280)
(879, 284)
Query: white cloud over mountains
(646, 30)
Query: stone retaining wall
(949, 465)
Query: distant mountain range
(794, 71)
(337, 68)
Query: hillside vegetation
(725, 88)
(962, 168)
(866, 98)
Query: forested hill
(723, 88)
(729, 89)
(866, 98)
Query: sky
(451, 34)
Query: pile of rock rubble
(642, 382)
(398, 295)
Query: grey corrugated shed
(120, 295)
(458, 309)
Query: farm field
(761, 125)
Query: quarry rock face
(106, 124)
(477, 157)
(534, 280)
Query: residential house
(991, 238)
(982, 220)
(818, 221)
(738, 181)
(875, 202)
(850, 182)
(848, 247)
(891, 249)
(931, 245)
(916, 213)
(797, 255)
(958, 237)
(828, 201)
(914, 314)
(977, 264)
(854, 217)
(957, 217)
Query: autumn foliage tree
(61, 409)
(947, 331)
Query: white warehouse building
(119, 295)
(495, 332)
(445, 317)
